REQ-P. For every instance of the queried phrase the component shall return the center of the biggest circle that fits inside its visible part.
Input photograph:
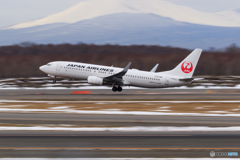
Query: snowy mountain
(95, 8)
(126, 22)
(126, 29)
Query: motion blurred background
(114, 32)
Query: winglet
(127, 67)
(154, 68)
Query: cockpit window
(49, 64)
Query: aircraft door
(167, 81)
(58, 66)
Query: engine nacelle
(95, 80)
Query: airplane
(118, 77)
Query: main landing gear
(115, 89)
(54, 80)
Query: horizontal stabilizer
(187, 79)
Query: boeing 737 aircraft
(118, 77)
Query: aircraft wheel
(119, 89)
(114, 89)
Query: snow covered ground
(221, 114)
(114, 158)
(170, 108)
(126, 129)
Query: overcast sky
(16, 11)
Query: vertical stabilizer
(186, 68)
(154, 68)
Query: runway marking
(112, 120)
(125, 129)
(113, 148)
(32, 101)
(74, 135)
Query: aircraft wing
(118, 77)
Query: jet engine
(95, 80)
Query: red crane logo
(187, 67)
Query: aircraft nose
(42, 68)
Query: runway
(127, 94)
(118, 144)
(117, 120)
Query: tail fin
(186, 68)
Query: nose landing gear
(115, 89)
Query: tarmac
(116, 144)
(144, 144)
(126, 94)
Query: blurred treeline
(24, 60)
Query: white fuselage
(133, 77)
